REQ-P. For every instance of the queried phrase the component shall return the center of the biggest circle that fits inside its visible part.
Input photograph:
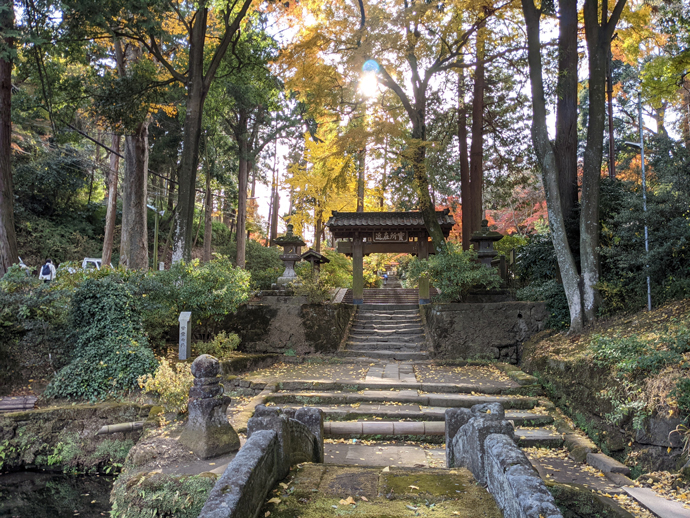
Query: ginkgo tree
(407, 45)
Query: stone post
(357, 270)
(185, 335)
(208, 432)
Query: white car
(89, 263)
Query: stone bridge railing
(276, 440)
(481, 440)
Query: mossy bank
(64, 438)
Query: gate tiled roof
(350, 221)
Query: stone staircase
(390, 331)
(392, 403)
(388, 295)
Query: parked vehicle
(89, 263)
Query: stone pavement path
(368, 401)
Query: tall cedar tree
(8, 238)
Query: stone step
(405, 397)
(487, 388)
(385, 354)
(399, 326)
(387, 318)
(385, 346)
(387, 338)
(539, 438)
(346, 413)
(374, 331)
(525, 437)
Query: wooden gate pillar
(423, 253)
(357, 270)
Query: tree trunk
(171, 191)
(465, 193)
(8, 238)
(361, 163)
(136, 175)
(111, 211)
(597, 49)
(477, 146)
(242, 203)
(566, 117)
(184, 219)
(189, 161)
(318, 228)
(208, 212)
(547, 160)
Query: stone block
(434, 428)
(278, 424)
(578, 446)
(516, 486)
(243, 486)
(659, 432)
(606, 464)
(312, 418)
(468, 444)
(208, 432)
(489, 411)
(409, 428)
(377, 428)
(455, 419)
(205, 366)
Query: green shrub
(111, 351)
(34, 331)
(550, 292)
(221, 345)
(453, 272)
(210, 291)
(681, 393)
(262, 262)
(338, 272)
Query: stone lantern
(485, 240)
(292, 252)
(316, 260)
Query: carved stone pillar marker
(208, 432)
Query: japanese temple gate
(363, 233)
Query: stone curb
(606, 464)
(440, 400)
(444, 388)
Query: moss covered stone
(145, 495)
(316, 490)
(577, 501)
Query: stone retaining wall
(488, 331)
(481, 440)
(276, 440)
(289, 325)
(64, 438)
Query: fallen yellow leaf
(413, 487)
(274, 500)
(364, 498)
(348, 501)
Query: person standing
(47, 271)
